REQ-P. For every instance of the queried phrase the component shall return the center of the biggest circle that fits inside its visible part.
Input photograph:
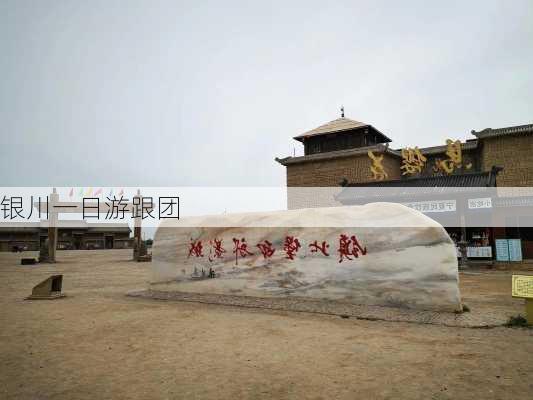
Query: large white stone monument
(378, 254)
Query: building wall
(123, 243)
(19, 238)
(469, 157)
(120, 235)
(514, 154)
(323, 173)
(89, 240)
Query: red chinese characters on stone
(266, 248)
(216, 251)
(349, 247)
(323, 248)
(240, 248)
(195, 248)
(291, 247)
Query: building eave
(511, 130)
(302, 138)
(379, 148)
(468, 179)
(418, 187)
(465, 146)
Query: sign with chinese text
(377, 169)
(479, 252)
(454, 161)
(515, 250)
(502, 250)
(348, 248)
(414, 161)
(508, 250)
(432, 206)
(523, 286)
(474, 204)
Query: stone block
(379, 254)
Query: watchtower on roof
(340, 134)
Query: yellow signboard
(523, 286)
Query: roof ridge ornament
(342, 111)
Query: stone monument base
(472, 319)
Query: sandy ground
(99, 344)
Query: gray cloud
(208, 93)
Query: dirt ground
(99, 344)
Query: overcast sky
(169, 93)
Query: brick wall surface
(514, 154)
(331, 172)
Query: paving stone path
(472, 319)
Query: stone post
(52, 226)
(137, 232)
(463, 262)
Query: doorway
(109, 242)
(77, 241)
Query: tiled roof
(379, 148)
(109, 227)
(511, 130)
(470, 145)
(66, 224)
(337, 125)
(412, 188)
(43, 224)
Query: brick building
(349, 153)
(338, 151)
(76, 235)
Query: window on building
(315, 147)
